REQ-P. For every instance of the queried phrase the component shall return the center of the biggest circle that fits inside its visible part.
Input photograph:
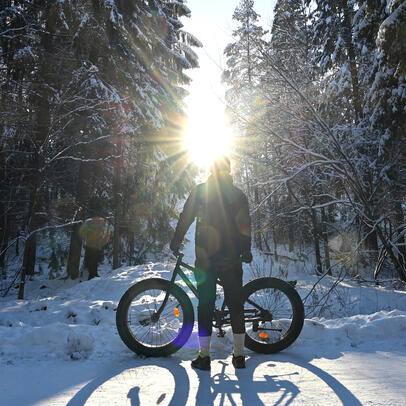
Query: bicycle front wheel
(139, 325)
(274, 315)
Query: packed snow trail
(289, 378)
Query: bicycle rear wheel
(141, 330)
(274, 315)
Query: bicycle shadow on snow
(346, 397)
(126, 378)
(251, 384)
(247, 386)
(221, 387)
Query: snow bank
(356, 330)
(73, 321)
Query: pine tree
(244, 57)
(383, 30)
(290, 36)
(243, 76)
(85, 85)
(332, 26)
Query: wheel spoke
(165, 329)
(278, 305)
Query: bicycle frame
(220, 315)
(178, 271)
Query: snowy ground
(60, 347)
(344, 378)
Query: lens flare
(95, 232)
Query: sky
(211, 22)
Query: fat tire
(297, 319)
(122, 313)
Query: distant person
(222, 243)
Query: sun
(207, 135)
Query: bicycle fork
(177, 270)
(157, 314)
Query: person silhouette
(222, 243)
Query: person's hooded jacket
(223, 225)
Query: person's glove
(246, 257)
(174, 247)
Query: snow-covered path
(356, 378)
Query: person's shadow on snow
(248, 386)
(226, 387)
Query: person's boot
(239, 361)
(203, 360)
(202, 363)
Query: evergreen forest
(92, 112)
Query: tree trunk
(75, 247)
(291, 237)
(131, 243)
(3, 225)
(40, 134)
(75, 252)
(30, 247)
(275, 245)
(371, 244)
(347, 36)
(398, 266)
(257, 220)
(291, 231)
(30, 254)
(91, 260)
(117, 214)
(325, 240)
(319, 266)
(5, 235)
(400, 221)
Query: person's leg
(206, 288)
(233, 292)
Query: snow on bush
(79, 345)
